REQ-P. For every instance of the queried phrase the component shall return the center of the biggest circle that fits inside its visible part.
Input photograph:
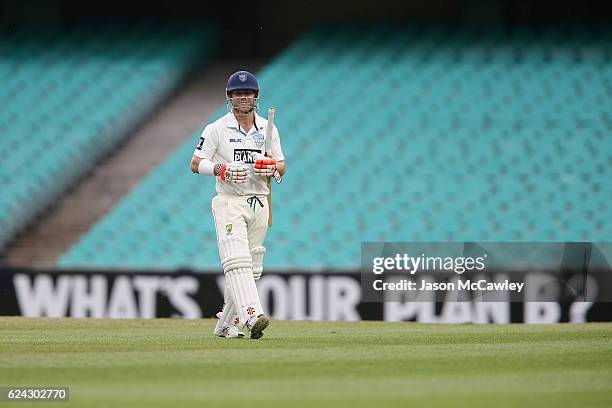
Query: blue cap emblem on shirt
(258, 139)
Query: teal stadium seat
(400, 134)
(64, 92)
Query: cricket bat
(268, 149)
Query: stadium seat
(63, 93)
(426, 136)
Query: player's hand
(234, 172)
(264, 166)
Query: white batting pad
(257, 254)
(234, 253)
(229, 316)
(241, 285)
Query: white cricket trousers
(241, 223)
(244, 218)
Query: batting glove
(233, 172)
(264, 166)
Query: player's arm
(231, 172)
(281, 167)
(205, 150)
(195, 164)
(208, 167)
(201, 163)
(277, 153)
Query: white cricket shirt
(224, 141)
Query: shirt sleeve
(208, 144)
(277, 151)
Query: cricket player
(232, 149)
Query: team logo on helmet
(228, 228)
(242, 77)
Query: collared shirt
(224, 141)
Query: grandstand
(69, 98)
(400, 134)
(471, 138)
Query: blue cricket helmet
(242, 80)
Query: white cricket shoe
(257, 325)
(231, 332)
(227, 331)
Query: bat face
(269, 129)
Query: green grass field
(179, 363)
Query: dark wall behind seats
(260, 28)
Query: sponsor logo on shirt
(244, 155)
(235, 140)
